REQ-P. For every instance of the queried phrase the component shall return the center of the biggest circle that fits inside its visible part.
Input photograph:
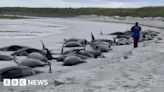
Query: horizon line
(82, 7)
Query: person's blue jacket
(135, 30)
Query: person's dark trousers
(136, 40)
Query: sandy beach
(143, 71)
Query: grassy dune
(10, 17)
(70, 12)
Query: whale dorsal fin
(93, 38)
(43, 46)
(62, 50)
(101, 33)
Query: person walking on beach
(135, 32)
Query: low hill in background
(71, 12)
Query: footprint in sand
(131, 79)
(126, 57)
(127, 54)
(112, 88)
(25, 91)
(89, 90)
(11, 89)
(117, 78)
(125, 75)
(150, 76)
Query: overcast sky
(80, 3)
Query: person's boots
(135, 45)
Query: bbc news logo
(24, 82)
